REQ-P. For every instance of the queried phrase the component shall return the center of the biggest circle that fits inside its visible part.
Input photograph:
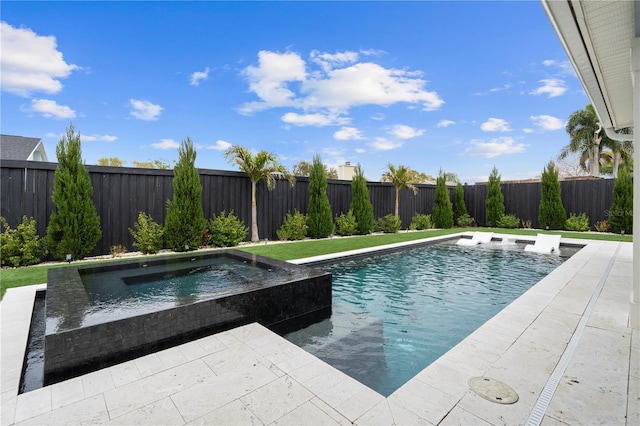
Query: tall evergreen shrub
(551, 213)
(319, 216)
(621, 212)
(459, 206)
(494, 203)
(74, 226)
(184, 223)
(442, 216)
(360, 204)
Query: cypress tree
(185, 222)
(442, 215)
(621, 213)
(459, 206)
(74, 228)
(551, 213)
(360, 205)
(319, 217)
(494, 203)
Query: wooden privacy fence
(120, 193)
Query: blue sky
(458, 86)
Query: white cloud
(494, 147)
(30, 62)
(269, 80)
(527, 130)
(361, 150)
(495, 125)
(145, 110)
(383, 144)
(166, 144)
(51, 109)
(195, 78)
(348, 133)
(552, 87)
(328, 61)
(401, 131)
(506, 86)
(547, 122)
(445, 123)
(220, 145)
(378, 116)
(317, 120)
(282, 80)
(369, 84)
(564, 67)
(499, 89)
(98, 138)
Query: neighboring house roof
(22, 148)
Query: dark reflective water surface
(33, 367)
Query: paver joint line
(540, 408)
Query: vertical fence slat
(121, 192)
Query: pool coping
(520, 346)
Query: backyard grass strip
(18, 277)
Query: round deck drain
(493, 390)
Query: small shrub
(226, 230)
(346, 224)
(421, 221)
(508, 221)
(147, 234)
(601, 225)
(117, 250)
(389, 224)
(20, 246)
(577, 223)
(526, 224)
(465, 220)
(294, 227)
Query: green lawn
(17, 277)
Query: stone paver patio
(576, 317)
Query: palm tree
(621, 153)
(400, 178)
(262, 166)
(586, 136)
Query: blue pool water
(396, 313)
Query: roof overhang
(598, 37)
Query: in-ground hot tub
(99, 315)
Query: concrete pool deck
(570, 330)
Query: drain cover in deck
(493, 390)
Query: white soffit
(597, 36)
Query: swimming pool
(395, 313)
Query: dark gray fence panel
(120, 193)
(593, 197)
(521, 199)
